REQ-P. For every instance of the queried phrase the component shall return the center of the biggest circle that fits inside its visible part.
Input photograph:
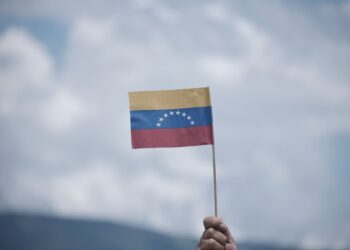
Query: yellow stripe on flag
(169, 99)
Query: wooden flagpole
(214, 182)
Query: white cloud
(88, 192)
(217, 12)
(24, 65)
(92, 33)
(27, 83)
(223, 70)
(25, 57)
(62, 111)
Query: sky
(278, 72)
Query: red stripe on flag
(177, 137)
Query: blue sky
(278, 73)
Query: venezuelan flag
(171, 118)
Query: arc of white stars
(166, 115)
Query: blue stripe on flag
(171, 118)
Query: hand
(216, 236)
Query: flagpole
(214, 182)
(214, 164)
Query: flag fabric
(171, 118)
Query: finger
(224, 229)
(212, 221)
(210, 244)
(212, 233)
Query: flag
(171, 118)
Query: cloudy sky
(280, 84)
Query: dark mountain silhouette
(38, 232)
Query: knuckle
(211, 242)
(224, 237)
(207, 221)
(211, 220)
(210, 232)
